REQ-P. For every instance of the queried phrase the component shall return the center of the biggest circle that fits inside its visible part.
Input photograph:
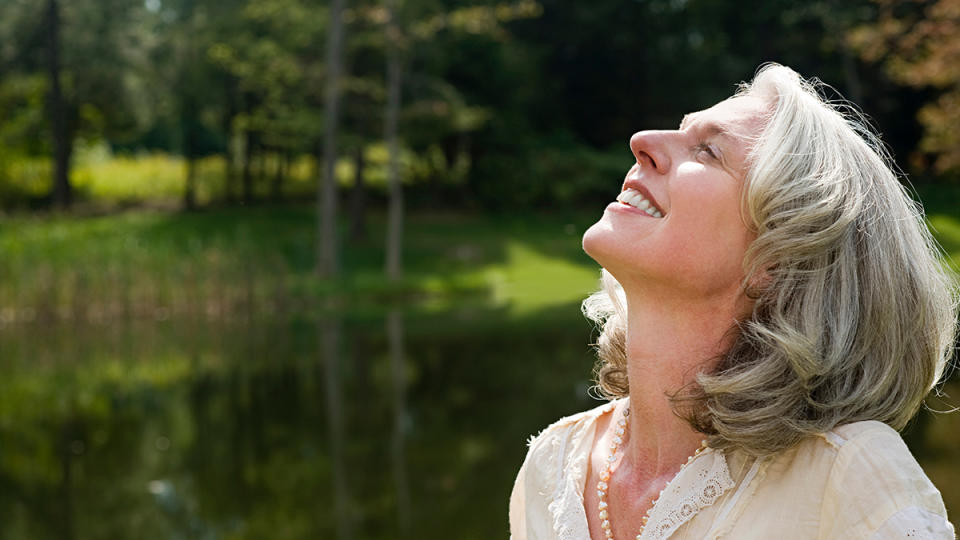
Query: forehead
(740, 117)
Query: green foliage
(916, 44)
(21, 107)
(103, 56)
(504, 104)
(552, 172)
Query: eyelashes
(710, 150)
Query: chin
(600, 242)
(593, 239)
(615, 253)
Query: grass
(219, 262)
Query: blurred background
(311, 268)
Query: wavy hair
(854, 317)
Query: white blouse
(857, 481)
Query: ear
(756, 282)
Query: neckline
(721, 479)
(591, 436)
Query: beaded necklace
(607, 470)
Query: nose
(651, 150)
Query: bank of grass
(222, 262)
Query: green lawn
(145, 263)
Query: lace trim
(566, 505)
(698, 486)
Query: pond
(389, 423)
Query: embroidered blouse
(857, 481)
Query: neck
(668, 343)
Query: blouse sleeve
(915, 522)
(876, 489)
(518, 515)
(529, 501)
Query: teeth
(635, 199)
(638, 201)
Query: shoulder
(874, 447)
(550, 463)
(559, 436)
(860, 433)
(552, 450)
(573, 422)
(876, 487)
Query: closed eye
(704, 147)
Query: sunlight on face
(693, 178)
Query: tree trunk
(280, 174)
(230, 173)
(358, 200)
(327, 256)
(840, 28)
(188, 123)
(394, 262)
(261, 166)
(190, 188)
(850, 75)
(246, 174)
(57, 109)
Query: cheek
(712, 208)
(711, 238)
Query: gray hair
(854, 317)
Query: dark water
(390, 424)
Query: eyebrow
(709, 128)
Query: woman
(772, 312)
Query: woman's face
(677, 222)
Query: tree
(327, 244)
(87, 52)
(394, 268)
(363, 101)
(477, 20)
(265, 69)
(186, 31)
(919, 45)
(57, 110)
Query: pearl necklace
(607, 471)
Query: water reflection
(398, 371)
(329, 335)
(395, 424)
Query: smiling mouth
(634, 198)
